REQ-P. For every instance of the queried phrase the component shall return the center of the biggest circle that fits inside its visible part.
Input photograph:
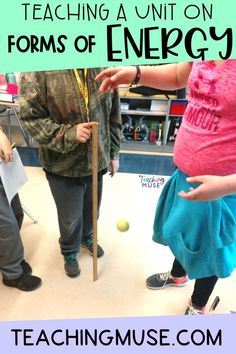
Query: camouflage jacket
(51, 106)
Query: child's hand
(84, 130)
(114, 164)
(5, 148)
(115, 76)
(211, 188)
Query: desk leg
(29, 215)
(166, 131)
(8, 114)
(166, 124)
(25, 136)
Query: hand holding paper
(13, 175)
(5, 148)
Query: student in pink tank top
(196, 213)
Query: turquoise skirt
(201, 235)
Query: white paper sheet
(13, 175)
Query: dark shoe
(163, 280)
(71, 265)
(26, 267)
(89, 245)
(25, 282)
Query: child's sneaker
(195, 310)
(163, 280)
(89, 245)
(71, 265)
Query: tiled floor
(130, 257)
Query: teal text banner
(62, 34)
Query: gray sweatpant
(73, 198)
(11, 248)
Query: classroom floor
(130, 257)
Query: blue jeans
(73, 199)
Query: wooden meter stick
(95, 195)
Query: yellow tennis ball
(122, 225)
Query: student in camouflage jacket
(54, 112)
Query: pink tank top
(206, 141)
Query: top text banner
(62, 34)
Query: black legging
(203, 287)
